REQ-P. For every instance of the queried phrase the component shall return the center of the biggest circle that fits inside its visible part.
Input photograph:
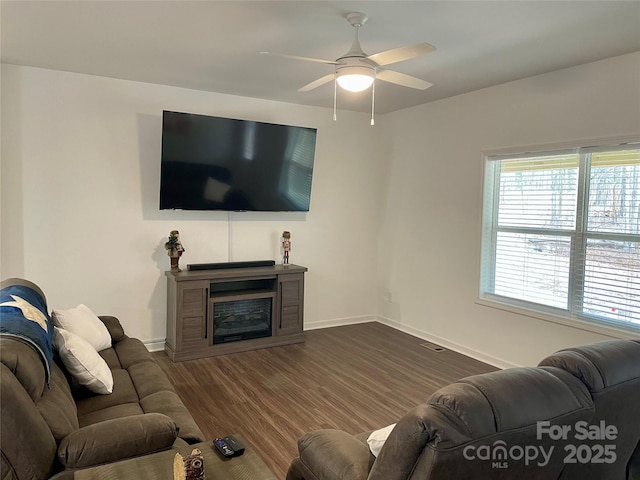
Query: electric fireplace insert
(241, 319)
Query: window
(561, 233)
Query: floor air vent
(434, 347)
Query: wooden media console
(229, 310)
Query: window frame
(573, 316)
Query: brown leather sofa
(50, 431)
(482, 427)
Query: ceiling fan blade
(306, 59)
(402, 53)
(318, 82)
(402, 79)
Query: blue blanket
(23, 314)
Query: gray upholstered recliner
(611, 372)
(481, 427)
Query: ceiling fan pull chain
(335, 96)
(373, 100)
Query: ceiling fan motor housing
(355, 65)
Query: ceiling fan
(356, 71)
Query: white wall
(430, 238)
(394, 226)
(80, 180)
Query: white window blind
(561, 233)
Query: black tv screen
(214, 163)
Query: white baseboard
(456, 347)
(338, 322)
(155, 345)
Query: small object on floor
(229, 446)
(189, 467)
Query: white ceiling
(215, 45)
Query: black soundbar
(221, 265)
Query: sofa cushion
(170, 404)
(84, 323)
(110, 413)
(83, 362)
(111, 357)
(24, 362)
(507, 391)
(611, 372)
(149, 378)
(335, 455)
(129, 352)
(123, 392)
(114, 327)
(28, 446)
(600, 365)
(57, 406)
(140, 386)
(116, 439)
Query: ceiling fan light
(355, 79)
(355, 82)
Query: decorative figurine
(286, 247)
(174, 249)
(188, 467)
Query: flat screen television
(214, 163)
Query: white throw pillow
(377, 438)
(83, 362)
(84, 323)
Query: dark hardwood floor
(354, 378)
